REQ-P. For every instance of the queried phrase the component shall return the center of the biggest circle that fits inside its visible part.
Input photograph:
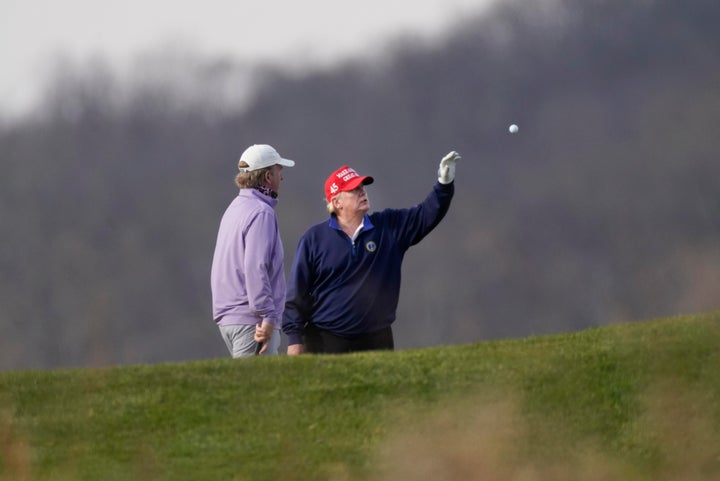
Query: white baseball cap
(259, 156)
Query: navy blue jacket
(352, 288)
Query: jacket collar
(250, 193)
(367, 223)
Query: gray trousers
(240, 340)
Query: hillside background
(603, 208)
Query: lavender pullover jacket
(247, 277)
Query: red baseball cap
(343, 180)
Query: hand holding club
(263, 334)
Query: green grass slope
(628, 401)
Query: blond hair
(330, 206)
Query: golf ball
(513, 128)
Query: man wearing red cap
(344, 282)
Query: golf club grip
(258, 346)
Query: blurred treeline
(605, 207)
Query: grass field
(636, 401)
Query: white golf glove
(446, 171)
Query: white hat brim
(286, 162)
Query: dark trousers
(318, 341)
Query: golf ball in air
(513, 128)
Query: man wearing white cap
(345, 279)
(247, 277)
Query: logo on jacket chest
(370, 246)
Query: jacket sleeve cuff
(294, 339)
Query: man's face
(354, 201)
(274, 177)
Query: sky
(34, 32)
